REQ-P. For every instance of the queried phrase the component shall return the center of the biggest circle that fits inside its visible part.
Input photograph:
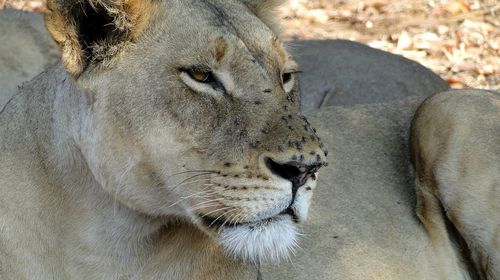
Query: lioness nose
(295, 172)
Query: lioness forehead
(205, 21)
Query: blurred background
(457, 39)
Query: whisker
(190, 182)
(190, 178)
(225, 221)
(205, 206)
(230, 220)
(208, 200)
(220, 209)
(189, 196)
(239, 218)
(191, 171)
(234, 218)
(224, 213)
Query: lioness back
(456, 149)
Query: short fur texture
(456, 150)
(124, 166)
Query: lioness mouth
(221, 222)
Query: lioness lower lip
(289, 211)
(217, 223)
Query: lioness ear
(93, 31)
(265, 10)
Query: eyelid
(291, 66)
(292, 71)
(196, 68)
(216, 84)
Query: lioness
(171, 139)
(456, 150)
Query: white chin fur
(261, 242)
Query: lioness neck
(80, 230)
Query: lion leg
(430, 213)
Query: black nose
(295, 172)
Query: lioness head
(191, 111)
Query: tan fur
(138, 14)
(111, 167)
(456, 150)
(64, 34)
(220, 48)
(265, 9)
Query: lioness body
(456, 149)
(56, 224)
(152, 154)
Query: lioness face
(198, 118)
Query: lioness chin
(169, 119)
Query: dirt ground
(458, 39)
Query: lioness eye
(202, 77)
(286, 77)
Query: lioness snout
(295, 172)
